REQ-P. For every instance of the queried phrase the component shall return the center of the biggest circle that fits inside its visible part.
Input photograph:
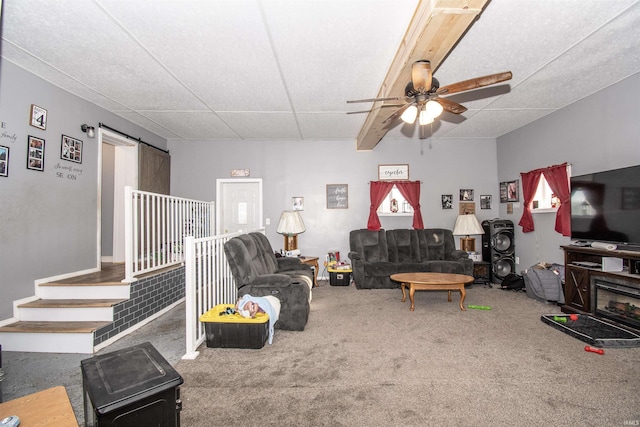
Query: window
(395, 205)
(545, 200)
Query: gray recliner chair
(259, 273)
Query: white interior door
(239, 205)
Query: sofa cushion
(240, 261)
(435, 244)
(371, 245)
(255, 254)
(267, 256)
(403, 246)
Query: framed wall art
(447, 201)
(393, 172)
(503, 192)
(4, 161)
(240, 172)
(71, 149)
(38, 117)
(337, 196)
(35, 154)
(466, 195)
(466, 208)
(298, 203)
(512, 191)
(485, 201)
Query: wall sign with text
(337, 196)
(393, 172)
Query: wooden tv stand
(583, 266)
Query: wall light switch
(267, 221)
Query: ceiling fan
(423, 95)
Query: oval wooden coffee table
(432, 282)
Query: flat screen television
(605, 206)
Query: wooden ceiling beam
(435, 29)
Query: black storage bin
(339, 278)
(234, 331)
(132, 387)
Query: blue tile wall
(148, 296)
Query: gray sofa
(376, 255)
(259, 273)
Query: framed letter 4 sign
(38, 117)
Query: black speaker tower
(498, 248)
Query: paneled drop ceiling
(284, 69)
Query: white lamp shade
(467, 225)
(290, 223)
(433, 109)
(425, 119)
(410, 114)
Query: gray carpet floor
(365, 360)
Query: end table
(312, 261)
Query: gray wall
(48, 222)
(303, 168)
(597, 133)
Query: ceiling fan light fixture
(433, 109)
(410, 114)
(425, 118)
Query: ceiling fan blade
(421, 75)
(394, 98)
(396, 114)
(474, 83)
(371, 109)
(450, 106)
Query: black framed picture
(513, 191)
(4, 160)
(485, 201)
(71, 149)
(447, 201)
(503, 192)
(466, 195)
(35, 154)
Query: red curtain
(529, 186)
(556, 176)
(410, 190)
(378, 190)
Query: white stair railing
(209, 282)
(156, 226)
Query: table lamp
(290, 226)
(465, 225)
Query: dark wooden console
(579, 275)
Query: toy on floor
(573, 317)
(479, 307)
(561, 319)
(593, 350)
(12, 421)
